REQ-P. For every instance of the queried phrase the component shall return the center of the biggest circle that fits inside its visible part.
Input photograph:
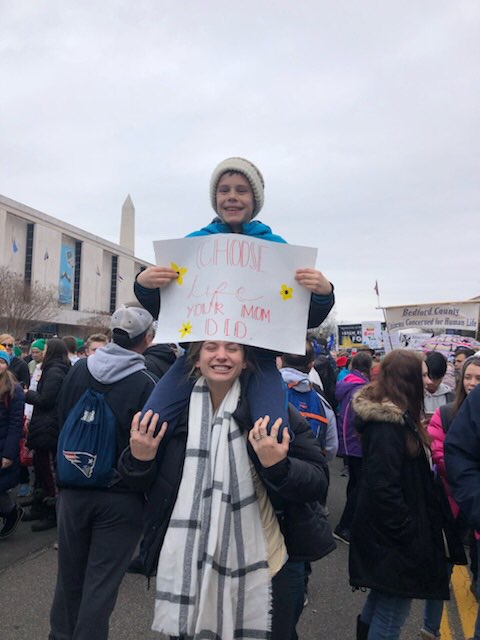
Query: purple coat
(348, 438)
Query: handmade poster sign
(235, 288)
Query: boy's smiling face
(235, 201)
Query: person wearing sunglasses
(17, 366)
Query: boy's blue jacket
(254, 229)
(320, 306)
(462, 457)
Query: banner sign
(235, 288)
(349, 335)
(397, 340)
(448, 315)
(67, 264)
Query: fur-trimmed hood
(368, 410)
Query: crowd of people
(212, 460)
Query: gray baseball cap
(132, 320)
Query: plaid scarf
(212, 578)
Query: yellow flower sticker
(286, 292)
(185, 329)
(180, 270)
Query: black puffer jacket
(44, 426)
(11, 421)
(295, 486)
(19, 368)
(462, 457)
(397, 544)
(159, 358)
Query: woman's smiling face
(221, 363)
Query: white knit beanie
(247, 169)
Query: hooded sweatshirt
(443, 395)
(112, 363)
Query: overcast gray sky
(362, 116)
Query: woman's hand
(314, 281)
(155, 277)
(269, 451)
(6, 462)
(143, 443)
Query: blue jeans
(433, 611)
(385, 615)
(288, 588)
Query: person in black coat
(397, 546)
(44, 429)
(11, 420)
(99, 524)
(289, 480)
(462, 461)
(159, 358)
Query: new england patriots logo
(85, 462)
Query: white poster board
(372, 334)
(234, 288)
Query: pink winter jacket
(437, 436)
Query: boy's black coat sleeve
(148, 298)
(320, 307)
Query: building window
(76, 275)
(113, 284)
(29, 254)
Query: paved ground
(27, 578)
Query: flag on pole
(14, 246)
(375, 288)
(46, 256)
(119, 277)
(98, 271)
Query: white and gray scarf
(212, 578)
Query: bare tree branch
(23, 307)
